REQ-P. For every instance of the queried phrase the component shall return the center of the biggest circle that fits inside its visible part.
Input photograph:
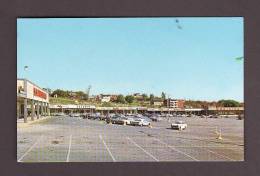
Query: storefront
(32, 101)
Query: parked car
(155, 118)
(140, 122)
(179, 125)
(118, 120)
(129, 120)
(169, 115)
(94, 116)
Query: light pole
(25, 99)
(25, 68)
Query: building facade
(173, 103)
(32, 101)
(157, 102)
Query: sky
(135, 55)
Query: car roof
(179, 121)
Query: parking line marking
(100, 136)
(142, 149)
(220, 155)
(171, 147)
(68, 155)
(30, 149)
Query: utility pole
(25, 99)
(88, 91)
(168, 101)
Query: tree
(163, 96)
(80, 94)
(145, 97)
(151, 97)
(229, 103)
(129, 98)
(120, 99)
(60, 93)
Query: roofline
(24, 79)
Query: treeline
(230, 103)
(120, 98)
(69, 94)
(220, 103)
(144, 97)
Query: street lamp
(25, 99)
(25, 68)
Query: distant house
(174, 103)
(113, 97)
(106, 97)
(72, 94)
(157, 102)
(138, 96)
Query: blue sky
(128, 55)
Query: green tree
(60, 93)
(151, 97)
(120, 99)
(129, 98)
(80, 94)
(163, 96)
(145, 97)
(229, 103)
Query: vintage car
(179, 125)
(140, 122)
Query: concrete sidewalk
(21, 124)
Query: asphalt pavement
(71, 139)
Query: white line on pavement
(171, 147)
(100, 136)
(142, 149)
(219, 155)
(68, 155)
(30, 149)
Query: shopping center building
(32, 101)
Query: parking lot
(73, 139)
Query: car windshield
(146, 119)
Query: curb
(22, 124)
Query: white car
(140, 122)
(179, 125)
(129, 120)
